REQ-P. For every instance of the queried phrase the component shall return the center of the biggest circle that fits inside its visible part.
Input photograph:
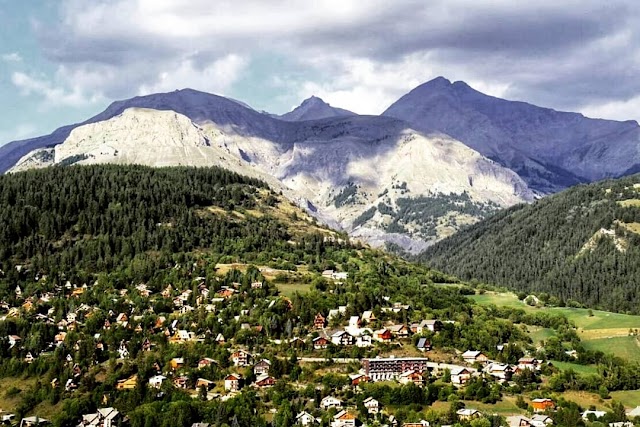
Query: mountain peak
(550, 149)
(314, 108)
(442, 85)
(313, 101)
(438, 81)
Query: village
(355, 350)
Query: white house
(540, 420)
(156, 381)
(596, 414)
(306, 419)
(330, 402)
(105, 417)
(635, 412)
(372, 405)
(232, 382)
(471, 357)
(13, 340)
(466, 414)
(344, 419)
(364, 341)
(460, 376)
(342, 338)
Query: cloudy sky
(62, 61)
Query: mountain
(370, 175)
(314, 108)
(198, 106)
(582, 244)
(550, 150)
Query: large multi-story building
(379, 369)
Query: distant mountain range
(441, 157)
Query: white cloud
(12, 57)
(215, 77)
(616, 110)
(365, 86)
(52, 95)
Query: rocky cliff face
(359, 172)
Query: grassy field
(288, 289)
(6, 403)
(44, 409)
(501, 300)
(581, 369)
(600, 319)
(599, 330)
(629, 203)
(630, 398)
(625, 347)
(507, 406)
(581, 316)
(586, 399)
(539, 334)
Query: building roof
(597, 414)
(232, 377)
(422, 343)
(516, 420)
(305, 414)
(635, 412)
(344, 415)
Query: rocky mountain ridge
(441, 157)
(549, 149)
(326, 166)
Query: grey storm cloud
(560, 54)
(520, 32)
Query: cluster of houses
(105, 417)
(542, 406)
(232, 382)
(413, 369)
(343, 417)
(346, 418)
(502, 372)
(356, 333)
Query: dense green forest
(99, 218)
(555, 246)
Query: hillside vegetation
(114, 276)
(581, 245)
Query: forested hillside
(83, 220)
(581, 245)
